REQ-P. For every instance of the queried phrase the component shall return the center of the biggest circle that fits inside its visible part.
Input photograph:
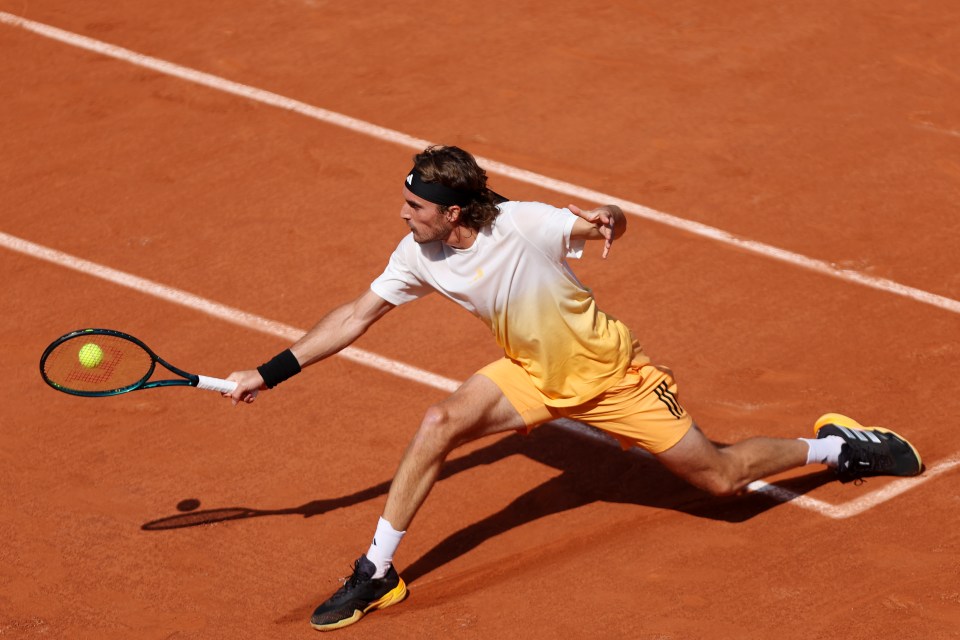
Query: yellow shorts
(640, 410)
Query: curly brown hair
(455, 168)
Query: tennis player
(507, 263)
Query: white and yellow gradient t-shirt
(516, 279)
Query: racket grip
(216, 384)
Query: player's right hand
(249, 384)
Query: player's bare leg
(727, 470)
(851, 449)
(476, 409)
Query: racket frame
(189, 379)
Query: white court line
(522, 175)
(422, 376)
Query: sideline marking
(522, 175)
(415, 374)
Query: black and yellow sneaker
(868, 451)
(360, 594)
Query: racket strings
(123, 363)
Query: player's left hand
(608, 220)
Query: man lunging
(506, 263)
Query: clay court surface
(828, 130)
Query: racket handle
(216, 384)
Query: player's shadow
(591, 470)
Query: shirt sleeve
(400, 281)
(549, 228)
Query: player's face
(424, 219)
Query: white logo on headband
(410, 179)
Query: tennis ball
(90, 355)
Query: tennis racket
(102, 362)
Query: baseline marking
(415, 374)
(522, 175)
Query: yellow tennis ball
(90, 355)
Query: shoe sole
(395, 596)
(841, 420)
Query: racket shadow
(488, 455)
(226, 514)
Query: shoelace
(869, 459)
(353, 579)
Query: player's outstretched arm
(607, 223)
(338, 329)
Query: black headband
(437, 193)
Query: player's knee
(719, 486)
(436, 429)
(724, 480)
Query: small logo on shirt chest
(477, 276)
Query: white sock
(384, 545)
(824, 450)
